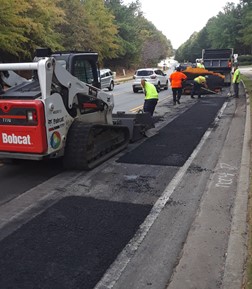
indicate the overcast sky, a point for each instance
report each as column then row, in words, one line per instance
column 178, row 19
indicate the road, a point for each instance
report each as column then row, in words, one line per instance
column 20, row 176
column 130, row 102
column 157, row 215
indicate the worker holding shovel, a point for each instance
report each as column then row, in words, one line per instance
column 198, row 83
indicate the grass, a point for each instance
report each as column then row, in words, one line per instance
column 248, row 273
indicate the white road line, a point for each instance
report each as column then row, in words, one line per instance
column 116, row 269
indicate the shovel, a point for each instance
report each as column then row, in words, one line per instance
column 206, row 89
column 209, row 90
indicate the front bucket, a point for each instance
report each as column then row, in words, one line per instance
column 137, row 123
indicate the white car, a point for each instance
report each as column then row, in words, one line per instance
column 153, row 75
column 107, row 79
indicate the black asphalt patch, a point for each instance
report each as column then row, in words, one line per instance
column 70, row 245
column 175, row 142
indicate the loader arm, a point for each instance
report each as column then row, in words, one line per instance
column 10, row 78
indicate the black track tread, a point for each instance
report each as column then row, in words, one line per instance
column 76, row 153
column 75, row 150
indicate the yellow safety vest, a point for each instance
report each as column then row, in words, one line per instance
column 199, row 65
column 150, row 91
column 200, row 79
column 237, row 76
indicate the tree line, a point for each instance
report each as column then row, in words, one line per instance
column 231, row 28
column 120, row 33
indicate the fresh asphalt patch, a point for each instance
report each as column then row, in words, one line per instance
column 175, row 142
column 70, row 245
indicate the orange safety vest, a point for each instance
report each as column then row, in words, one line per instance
column 176, row 79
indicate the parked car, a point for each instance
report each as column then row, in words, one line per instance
column 107, row 79
column 153, row 75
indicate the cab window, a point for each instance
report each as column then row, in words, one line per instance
column 83, row 71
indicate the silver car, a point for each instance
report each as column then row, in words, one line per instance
column 107, row 79
column 153, row 75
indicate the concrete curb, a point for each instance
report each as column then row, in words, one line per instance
column 237, row 245
column 121, row 80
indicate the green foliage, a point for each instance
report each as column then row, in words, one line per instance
column 142, row 44
column 230, row 28
column 245, row 59
column 103, row 30
column 75, row 30
column 13, row 26
column 119, row 33
column 246, row 30
column 25, row 25
column 43, row 16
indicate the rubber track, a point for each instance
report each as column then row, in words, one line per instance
column 76, row 152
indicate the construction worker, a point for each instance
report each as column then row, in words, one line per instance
column 200, row 64
column 198, row 83
column 151, row 96
column 236, row 80
column 176, row 80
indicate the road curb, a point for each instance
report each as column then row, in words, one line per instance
column 237, row 245
column 121, row 80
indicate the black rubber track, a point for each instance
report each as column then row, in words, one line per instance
column 85, row 150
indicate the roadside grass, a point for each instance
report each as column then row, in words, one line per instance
column 248, row 273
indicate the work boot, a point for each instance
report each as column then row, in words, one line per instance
column 192, row 96
column 178, row 101
column 174, row 102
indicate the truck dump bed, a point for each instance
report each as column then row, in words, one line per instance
column 219, row 60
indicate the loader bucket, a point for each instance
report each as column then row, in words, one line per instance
column 137, row 123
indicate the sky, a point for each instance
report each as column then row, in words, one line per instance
column 178, row 19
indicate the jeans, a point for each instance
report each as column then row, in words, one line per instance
column 176, row 92
column 149, row 105
column 236, row 89
column 196, row 89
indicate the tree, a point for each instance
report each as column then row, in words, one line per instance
column 43, row 17
column 13, row 26
column 231, row 28
column 75, row 30
column 26, row 25
column 103, row 31
column 126, row 18
column 155, row 46
column 246, row 30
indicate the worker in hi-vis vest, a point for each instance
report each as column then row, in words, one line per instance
column 176, row 80
column 151, row 96
column 236, row 80
column 200, row 64
column 198, row 83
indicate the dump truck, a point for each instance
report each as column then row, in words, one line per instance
column 60, row 112
column 220, row 61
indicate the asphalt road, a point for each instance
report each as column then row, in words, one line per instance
column 137, row 224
